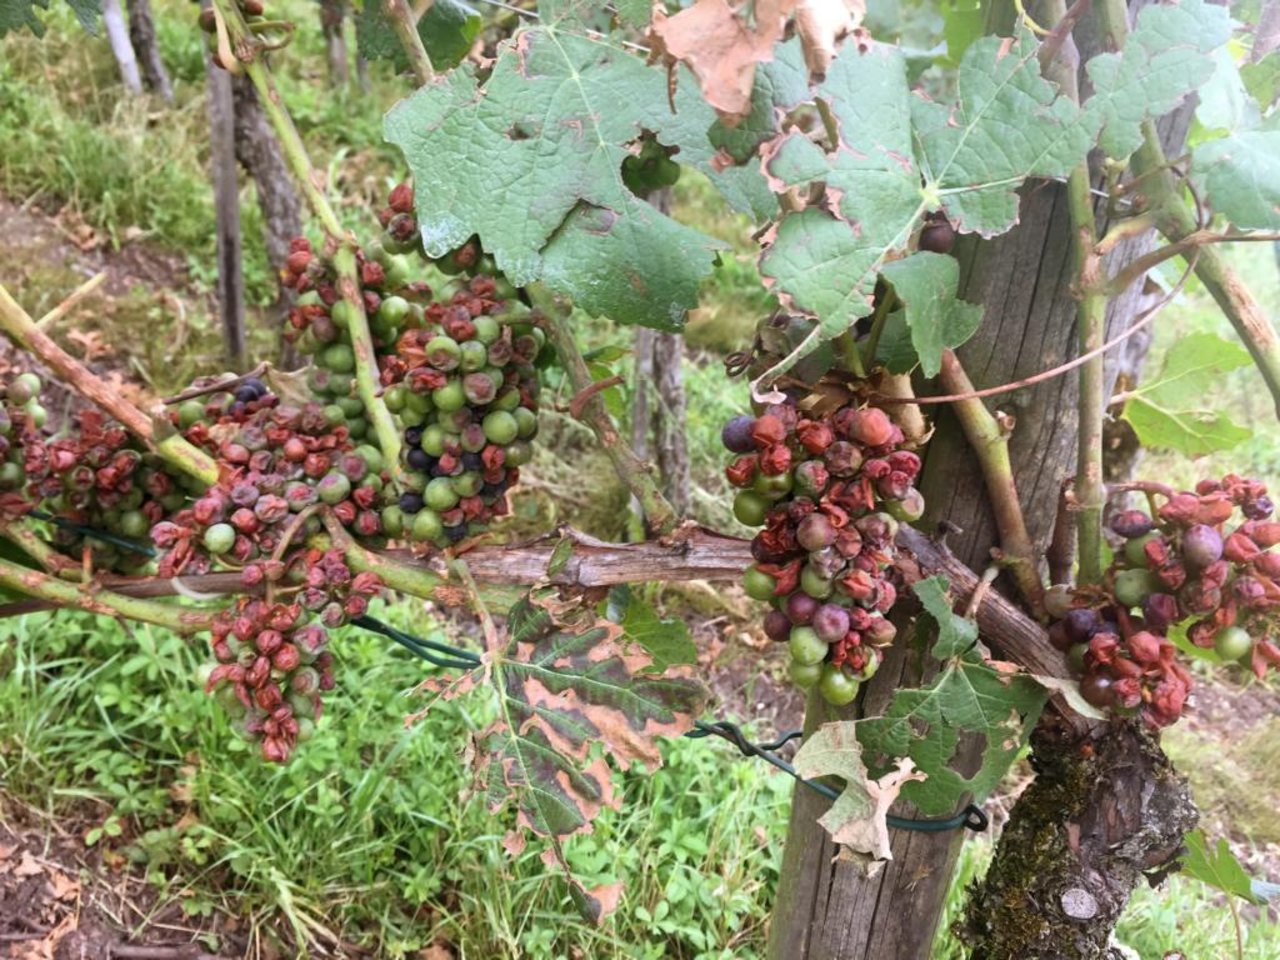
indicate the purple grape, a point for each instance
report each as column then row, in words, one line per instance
column 801, row 607
column 472, row 461
column 1201, row 546
column 1132, row 523
column 410, row 502
column 1259, row 509
column 831, row 622
column 413, row 436
column 736, row 435
column 456, row 533
column 1159, row 610
column 777, row 627
column 1080, row 624
column 815, row 532
column 419, row 460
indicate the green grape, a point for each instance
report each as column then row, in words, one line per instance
column 393, row 521
column 804, row 675
column 758, row 584
column 488, row 329
column 450, row 397
column 527, row 421
column 433, row 440
column 750, row 508
column 220, row 538
column 427, row 525
column 343, row 314
column 190, row 413
column 501, row 427
column 440, row 494
column 837, row 687
column 339, row 357
column 806, row 646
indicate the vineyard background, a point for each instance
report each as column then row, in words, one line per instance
column 116, row 771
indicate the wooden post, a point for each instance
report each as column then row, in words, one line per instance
column 142, row 33
column 226, row 193
column 121, row 48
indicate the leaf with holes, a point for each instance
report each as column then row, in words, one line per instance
column 956, row 635
column 898, row 156
column 1167, row 411
column 546, row 135
column 16, row 14
column 448, row 30
column 571, row 693
column 968, row 697
column 1164, row 59
column 857, row 817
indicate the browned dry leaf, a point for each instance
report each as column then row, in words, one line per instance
column 721, row 43
column 92, row 346
column 715, row 41
column 871, row 834
column 821, row 25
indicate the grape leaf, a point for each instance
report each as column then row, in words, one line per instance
column 448, row 30
column 963, row 23
column 1219, row 868
column 956, row 635
column 667, row 641
column 531, row 161
column 857, row 817
column 968, row 696
column 1225, row 102
column 570, row 693
column 1240, row 176
column 16, row 14
column 899, row 156
column 1165, row 412
column 926, row 283
column 1262, row 80
column 1164, row 59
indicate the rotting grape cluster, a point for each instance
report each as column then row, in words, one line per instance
column 1199, row 563
column 299, row 465
column 828, row 481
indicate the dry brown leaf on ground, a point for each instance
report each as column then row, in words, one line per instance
column 91, row 343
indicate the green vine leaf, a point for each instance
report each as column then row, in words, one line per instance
column 956, row 635
column 1164, row 59
column 1240, row 176
column 857, row 817
column 1159, row 413
column 666, row 640
column 1219, row 868
column 570, row 693
column 897, row 157
column 448, row 29
column 926, row 284
column 969, row 696
column 546, row 134
column 16, row 14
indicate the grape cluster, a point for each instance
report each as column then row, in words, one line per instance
column 272, row 665
column 1189, row 565
column 280, row 461
column 829, row 492
column 466, row 389
column 21, row 416
column 98, row 477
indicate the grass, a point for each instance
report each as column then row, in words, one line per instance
column 363, row 836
